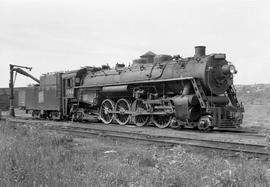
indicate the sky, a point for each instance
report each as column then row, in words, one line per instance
column 59, row 35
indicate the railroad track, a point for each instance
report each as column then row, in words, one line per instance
column 240, row 132
column 210, row 144
column 94, row 130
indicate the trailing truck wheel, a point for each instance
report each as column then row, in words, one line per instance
column 177, row 124
column 106, row 111
column 122, row 106
column 140, row 108
column 78, row 116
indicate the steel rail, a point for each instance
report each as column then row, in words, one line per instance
column 212, row 144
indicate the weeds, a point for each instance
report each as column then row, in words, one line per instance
column 34, row 157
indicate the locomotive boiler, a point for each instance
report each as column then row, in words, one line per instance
column 162, row 90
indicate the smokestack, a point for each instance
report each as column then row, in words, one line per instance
column 199, row 51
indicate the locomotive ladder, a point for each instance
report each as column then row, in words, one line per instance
column 200, row 93
column 232, row 96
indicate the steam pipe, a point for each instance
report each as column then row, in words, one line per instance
column 11, row 89
column 11, row 84
column 19, row 70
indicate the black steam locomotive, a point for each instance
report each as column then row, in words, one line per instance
column 162, row 90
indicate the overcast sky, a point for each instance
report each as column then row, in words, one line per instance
column 54, row 35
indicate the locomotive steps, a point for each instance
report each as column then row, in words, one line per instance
column 237, row 142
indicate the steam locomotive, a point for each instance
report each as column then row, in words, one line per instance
column 162, row 90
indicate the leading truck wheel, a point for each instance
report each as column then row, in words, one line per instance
column 122, row 107
column 205, row 123
column 106, row 111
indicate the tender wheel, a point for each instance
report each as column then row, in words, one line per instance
column 35, row 114
column 205, row 123
column 139, row 108
column 122, row 106
column 106, row 109
column 163, row 121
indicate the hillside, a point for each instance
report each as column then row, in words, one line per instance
column 248, row 94
column 254, row 94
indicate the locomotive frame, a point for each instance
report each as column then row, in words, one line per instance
column 162, row 90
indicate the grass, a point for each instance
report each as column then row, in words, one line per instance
column 34, row 157
column 257, row 116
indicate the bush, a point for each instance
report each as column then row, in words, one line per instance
column 35, row 157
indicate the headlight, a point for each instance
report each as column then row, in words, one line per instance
column 232, row 69
column 229, row 69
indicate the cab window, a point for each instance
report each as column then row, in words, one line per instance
column 69, row 83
